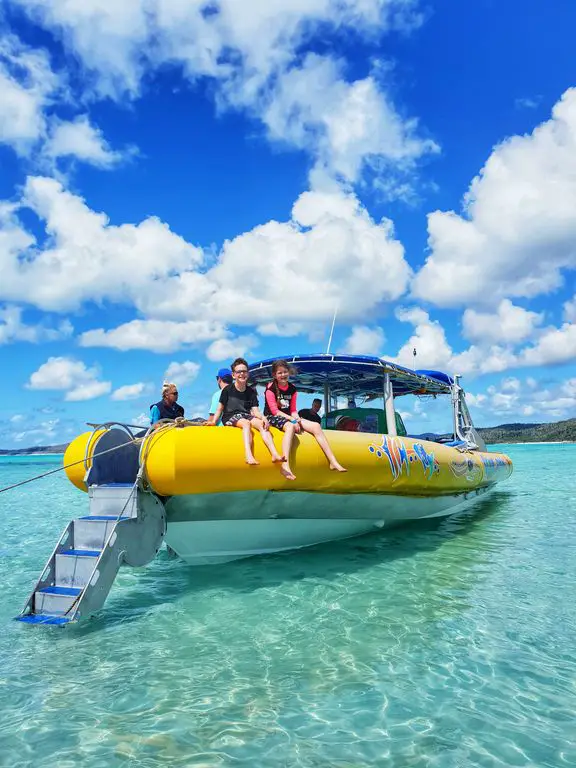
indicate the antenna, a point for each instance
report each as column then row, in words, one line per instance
column 332, row 329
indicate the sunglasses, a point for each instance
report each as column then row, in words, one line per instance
column 241, row 371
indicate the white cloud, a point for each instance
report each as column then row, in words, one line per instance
column 434, row 352
column 64, row 373
column 509, row 323
column 569, row 311
column 13, row 329
column 511, row 384
column 364, row 341
column 88, row 391
column 43, row 432
column 332, row 253
column 155, row 335
column 82, row 251
column 281, row 329
column 27, row 85
column 142, row 420
column 30, row 91
column 80, row 139
column 258, row 56
column 342, row 124
column 130, row 391
column 554, row 346
column 529, row 102
column 513, row 399
column 182, row 373
column 429, row 341
column 230, row 348
column 518, row 230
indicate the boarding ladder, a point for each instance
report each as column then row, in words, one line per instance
column 125, row 526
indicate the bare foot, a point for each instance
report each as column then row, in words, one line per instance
column 276, row 458
column 287, row 472
column 252, row 461
column 338, row 468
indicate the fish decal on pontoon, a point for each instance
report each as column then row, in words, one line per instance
column 468, row 469
column 400, row 456
column 493, row 463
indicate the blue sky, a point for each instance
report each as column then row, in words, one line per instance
column 184, row 181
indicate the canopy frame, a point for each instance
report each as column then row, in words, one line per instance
column 353, row 375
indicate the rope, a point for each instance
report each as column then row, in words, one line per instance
column 66, row 466
column 180, row 422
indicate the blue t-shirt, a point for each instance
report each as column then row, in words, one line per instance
column 214, row 405
column 154, row 415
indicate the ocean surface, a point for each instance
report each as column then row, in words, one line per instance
column 449, row 643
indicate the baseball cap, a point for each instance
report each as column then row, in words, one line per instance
column 223, row 372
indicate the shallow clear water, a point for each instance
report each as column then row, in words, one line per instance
column 448, row 643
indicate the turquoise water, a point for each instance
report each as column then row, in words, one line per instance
column 448, row 643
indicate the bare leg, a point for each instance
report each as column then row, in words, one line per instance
column 244, row 425
column 316, row 430
column 286, row 446
column 267, row 439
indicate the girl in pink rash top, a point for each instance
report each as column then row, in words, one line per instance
column 281, row 411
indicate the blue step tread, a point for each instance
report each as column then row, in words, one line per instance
column 104, row 517
column 67, row 591
column 81, row 552
column 37, row 618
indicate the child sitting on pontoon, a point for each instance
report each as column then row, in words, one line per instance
column 282, row 413
column 238, row 407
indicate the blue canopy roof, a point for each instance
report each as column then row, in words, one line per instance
column 353, row 375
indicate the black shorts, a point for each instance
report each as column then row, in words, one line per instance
column 235, row 418
column 278, row 422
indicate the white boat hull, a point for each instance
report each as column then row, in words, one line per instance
column 255, row 524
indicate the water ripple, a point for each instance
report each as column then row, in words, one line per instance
column 445, row 644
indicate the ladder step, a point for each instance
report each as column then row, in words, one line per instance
column 81, row 552
column 104, row 517
column 68, row 591
column 36, row 618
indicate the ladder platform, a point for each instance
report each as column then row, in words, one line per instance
column 81, row 552
column 67, row 591
column 38, row 618
column 85, row 561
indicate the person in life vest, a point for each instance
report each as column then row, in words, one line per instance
column 282, row 413
column 167, row 408
column 238, row 407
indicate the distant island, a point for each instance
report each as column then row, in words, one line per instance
column 36, row 449
column 555, row 432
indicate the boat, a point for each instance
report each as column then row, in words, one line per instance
column 188, row 486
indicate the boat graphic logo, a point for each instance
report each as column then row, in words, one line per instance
column 467, row 469
column 400, row 456
column 493, row 464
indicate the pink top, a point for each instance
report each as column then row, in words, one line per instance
column 273, row 405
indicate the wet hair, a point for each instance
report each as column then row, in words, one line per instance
column 238, row 361
column 276, row 365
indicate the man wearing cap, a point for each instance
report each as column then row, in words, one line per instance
column 223, row 377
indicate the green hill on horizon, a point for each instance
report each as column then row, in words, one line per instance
column 557, row 431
